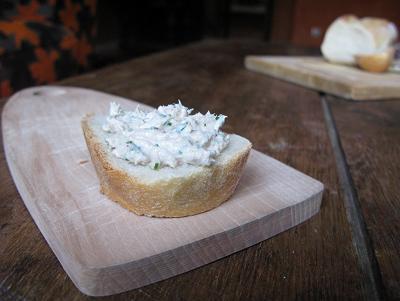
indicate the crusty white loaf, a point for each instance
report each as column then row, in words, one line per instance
column 167, row 192
column 349, row 36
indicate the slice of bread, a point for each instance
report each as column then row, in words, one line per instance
column 167, row 192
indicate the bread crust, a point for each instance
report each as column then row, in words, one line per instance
column 378, row 62
column 176, row 197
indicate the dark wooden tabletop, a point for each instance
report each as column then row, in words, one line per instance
column 350, row 250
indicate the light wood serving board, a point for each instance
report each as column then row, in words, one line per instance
column 106, row 249
column 316, row 73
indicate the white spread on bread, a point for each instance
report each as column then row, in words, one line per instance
column 167, row 136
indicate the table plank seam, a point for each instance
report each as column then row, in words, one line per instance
column 372, row 286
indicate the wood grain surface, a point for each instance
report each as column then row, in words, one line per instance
column 316, row 73
column 106, row 249
column 370, row 134
column 315, row 260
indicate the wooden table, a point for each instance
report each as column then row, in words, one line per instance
column 350, row 250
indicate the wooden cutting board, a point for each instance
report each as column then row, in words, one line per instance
column 316, row 73
column 106, row 249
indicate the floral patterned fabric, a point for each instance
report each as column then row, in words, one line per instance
column 43, row 40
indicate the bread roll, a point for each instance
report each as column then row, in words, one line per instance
column 349, row 36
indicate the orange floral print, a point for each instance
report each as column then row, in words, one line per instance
column 43, row 69
column 68, row 15
column 29, row 12
column 84, row 50
column 20, row 31
column 5, row 88
column 80, row 49
column 69, row 42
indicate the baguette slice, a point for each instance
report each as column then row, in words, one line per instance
column 167, row 192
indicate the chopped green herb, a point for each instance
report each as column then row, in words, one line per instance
column 180, row 152
column 182, row 127
column 157, row 166
column 217, row 117
column 156, row 145
column 169, row 123
column 205, row 124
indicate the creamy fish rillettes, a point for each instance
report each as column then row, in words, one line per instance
column 167, row 136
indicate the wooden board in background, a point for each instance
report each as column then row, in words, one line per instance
column 316, row 73
column 106, row 249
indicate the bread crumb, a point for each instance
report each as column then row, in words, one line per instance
column 278, row 146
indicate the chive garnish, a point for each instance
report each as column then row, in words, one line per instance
column 157, row 166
